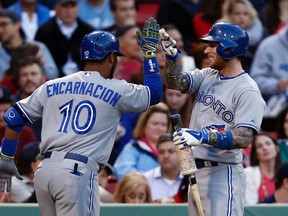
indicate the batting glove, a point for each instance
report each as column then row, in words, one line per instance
column 168, row 44
column 185, row 137
column 7, row 170
column 149, row 38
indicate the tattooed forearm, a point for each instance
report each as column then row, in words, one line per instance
column 174, row 78
column 241, row 137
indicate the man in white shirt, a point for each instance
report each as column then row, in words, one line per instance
column 165, row 179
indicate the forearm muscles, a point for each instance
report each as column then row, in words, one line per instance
column 241, row 137
column 174, row 78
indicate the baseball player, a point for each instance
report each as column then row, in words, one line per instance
column 80, row 115
column 227, row 112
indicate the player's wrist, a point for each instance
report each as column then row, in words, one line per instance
column 9, row 147
column 222, row 140
column 172, row 58
column 150, row 65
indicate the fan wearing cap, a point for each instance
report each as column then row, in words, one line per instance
column 28, row 161
column 13, row 37
column 281, row 184
column 6, row 101
column 227, row 112
column 62, row 34
column 104, row 176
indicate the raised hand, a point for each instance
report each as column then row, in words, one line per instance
column 148, row 39
column 168, row 44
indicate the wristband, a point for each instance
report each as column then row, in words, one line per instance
column 224, row 140
column 150, row 65
column 172, row 58
column 9, row 147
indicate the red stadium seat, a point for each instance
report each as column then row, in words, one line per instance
column 145, row 10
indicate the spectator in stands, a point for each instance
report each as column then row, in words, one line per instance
column 130, row 66
column 103, row 178
column 6, row 101
column 211, row 11
column 26, row 50
column 187, row 62
column 133, row 188
column 179, row 103
column 242, row 13
column 27, row 164
column 180, row 13
column 259, row 4
column 164, row 180
column 281, row 184
column 96, row 13
column 264, row 160
column 182, row 194
column 140, row 154
column 63, row 35
column 12, row 37
column 29, row 77
column 282, row 134
column 124, row 12
column 270, row 71
column 274, row 15
column 32, row 15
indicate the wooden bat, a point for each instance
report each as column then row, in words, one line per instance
column 187, row 163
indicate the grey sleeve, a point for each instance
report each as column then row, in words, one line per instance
column 250, row 110
column 33, row 105
column 136, row 98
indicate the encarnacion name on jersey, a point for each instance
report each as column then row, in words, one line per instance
column 85, row 88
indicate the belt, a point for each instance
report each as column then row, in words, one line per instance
column 70, row 155
column 203, row 163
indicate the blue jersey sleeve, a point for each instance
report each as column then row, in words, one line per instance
column 154, row 82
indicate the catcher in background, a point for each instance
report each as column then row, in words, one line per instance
column 227, row 112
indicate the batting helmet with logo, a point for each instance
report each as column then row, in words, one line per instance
column 98, row 44
column 233, row 40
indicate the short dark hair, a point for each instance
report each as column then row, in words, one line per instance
column 281, row 174
column 164, row 138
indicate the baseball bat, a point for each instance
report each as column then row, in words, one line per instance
column 187, row 163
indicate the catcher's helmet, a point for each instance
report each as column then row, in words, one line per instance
column 233, row 40
column 98, row 44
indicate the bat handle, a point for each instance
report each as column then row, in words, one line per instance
column 196, row 195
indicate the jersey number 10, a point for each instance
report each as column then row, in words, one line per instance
column 73, row 116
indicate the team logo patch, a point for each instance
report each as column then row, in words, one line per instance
column 11, row 115
column 86, row 54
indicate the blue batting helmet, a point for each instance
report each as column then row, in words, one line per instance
column 98, row 44
column 233, row 40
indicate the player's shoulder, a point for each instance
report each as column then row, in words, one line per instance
column 246, row 82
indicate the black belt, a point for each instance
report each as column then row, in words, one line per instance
column 69, row 155
column 202, row 163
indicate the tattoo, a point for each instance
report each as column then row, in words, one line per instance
column 175, row 79
column 241, row 137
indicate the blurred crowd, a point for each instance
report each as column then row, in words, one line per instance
column 41, row 40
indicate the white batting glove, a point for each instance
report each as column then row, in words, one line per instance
column 185, row 137
column 168, row 44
